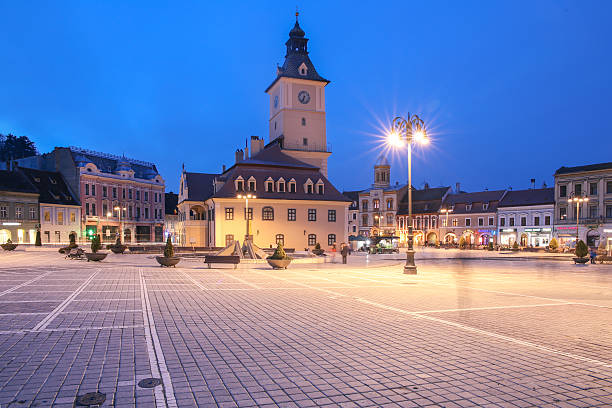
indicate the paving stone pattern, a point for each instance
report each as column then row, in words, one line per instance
column 475, row 333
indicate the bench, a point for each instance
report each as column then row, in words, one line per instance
column 603, row 258
column 222, row 259
column 75, row 253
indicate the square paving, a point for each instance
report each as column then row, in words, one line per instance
column 461, row 333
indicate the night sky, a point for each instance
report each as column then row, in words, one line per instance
column 510, row 90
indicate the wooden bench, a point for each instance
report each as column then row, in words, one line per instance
column 227, row 259
column 603, row 258
column 75, row 253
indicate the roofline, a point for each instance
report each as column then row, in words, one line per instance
column 302, row 79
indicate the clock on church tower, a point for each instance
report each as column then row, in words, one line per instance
column 297, row 104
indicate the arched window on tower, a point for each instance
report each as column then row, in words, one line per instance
column 303, row 121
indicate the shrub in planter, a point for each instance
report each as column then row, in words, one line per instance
column 168, row 259
column 117, row 247
column 73, row 243
column 38, row 241
column 490, row 245
column 553, row 245
column 581, row 249
column 515, row 246
column 95, row 247
column 317, row 249
column 462, row 243
column 9, row 246
column 279, row 259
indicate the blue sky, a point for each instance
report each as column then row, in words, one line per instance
column 510, row 90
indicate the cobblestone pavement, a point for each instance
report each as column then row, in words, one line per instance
column 461, row 333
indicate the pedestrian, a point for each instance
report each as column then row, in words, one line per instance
column 593, row 255
column 345, row 251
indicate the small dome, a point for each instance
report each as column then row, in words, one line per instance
column 296, row 31
column 382, row 161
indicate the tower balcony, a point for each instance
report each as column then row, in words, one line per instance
column 310, row 147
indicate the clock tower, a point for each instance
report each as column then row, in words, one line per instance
column 297, row 104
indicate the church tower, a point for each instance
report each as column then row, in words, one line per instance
column 297, row 104
column 382, row 173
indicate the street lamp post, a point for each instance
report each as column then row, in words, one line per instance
column 378, row 217
column 578, row 199
column 406, row 131
column 446, row 211
column 246, row 198
column 119, row 209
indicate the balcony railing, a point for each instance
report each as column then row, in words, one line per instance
column 310, row 147
column 584, row 221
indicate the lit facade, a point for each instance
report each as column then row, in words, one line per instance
column 526, row 217
column 19, row 210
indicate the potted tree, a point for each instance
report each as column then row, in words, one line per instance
column 279, row 259
column 168, row 259
column 71, row 245
column 581, row 252
column 553, row 245
column 317, row 250
column 9, row 246
column 38, row 241
column 515, row 246
column 94, row 255
column 462, row 243
column 117, row 247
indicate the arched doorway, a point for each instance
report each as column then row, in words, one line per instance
column 450, row 238
column 127, row 236
column 524, row 240
column 432, row 238
column 197, row 213
column 469, row 237
column 418, row 238
column 484, row 239
column 5, row 235
column 592, row 238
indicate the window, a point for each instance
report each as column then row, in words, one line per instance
column 114, row 192
column 86, row 208
column 239, row 185
column 312, row 240
column 60, row 218
column 269, row 186
column 480, row 222
column 562, row 191
column 331, row 215
column 229, row 239
column 93, row 189
column 491, row 221
column 130, row 212
column 104, row 209
column 291, row 214
column 252, row 185
column 47, row 216
column 433, row 222
column 511, row 221
column 389, row 204
column 593, row 188
column 146, row 196
column 455, row 222
column 502, row 222
column 389, row 219
column 536, row 220
column 562, row 213
column 364, row 206
column 578, row 189
column 468, row 207
column 312, row 214
column 249, row 214
column 303, row 121
column 354, row 228
column 364, row 220
column 146, row 213
column 93, row 209
column 267, row 214
column 609, row 187
column 138, row 195
column 280, row 239
column 331, row 239
column 376, row 203
column 608, row 211
column 123, row 193
column 130, row 194
column 523, row 221
column 229, row 213
column 305, row 141
column 18, row 212
column 320, row 188
column 86, row 189
column 309, row 188
column 137, row 212
column 468, row 222
column 104, row 191
column 3, row 212
column 354, row 216
column 32, row 213
column 485, row 206
column 592, row 212
column 281, row 186
column 72, row 217
column 444, row 222
column 292, row 187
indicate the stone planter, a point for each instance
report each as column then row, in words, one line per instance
column 278, row 263
column 9, row 247
column 318, row 252
column 168, row 261
column 118, row 249
column 95, row 256
column 581, row 260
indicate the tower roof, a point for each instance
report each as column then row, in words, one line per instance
column 297, row 54
column 382, row 161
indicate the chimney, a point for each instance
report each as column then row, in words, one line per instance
column 257, row 145
column 426, row 186
column 239, row 155
column 544, row 184
column 533, row 184
column 224, row 168
column 457, row 188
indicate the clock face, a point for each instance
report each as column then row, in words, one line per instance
column 276, row 101
column 304, row 97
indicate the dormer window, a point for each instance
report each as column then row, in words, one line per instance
column 252, row 184
column 485, row 206
column 280, row 187
column 292, row 186
column 239, row 184
column 308, row 186
column 320, row 187
column 468, row 207
column 269, row 185
column 303, row 69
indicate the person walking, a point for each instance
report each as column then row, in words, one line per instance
column 344, row 252
column 593, row 255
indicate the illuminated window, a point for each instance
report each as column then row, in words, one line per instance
column 312, row 240
column 280, row 239
column 331, row 239
column 267, row 214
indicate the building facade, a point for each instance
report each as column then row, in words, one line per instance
column 19, row 210
column 117, row 194
column 526, row 217
column 472, row 216
column 378, row 204
column 591, row 220
column 353, row 213
column 426, row 204
column 60, row 211
column 194, row 213
column 171, row 218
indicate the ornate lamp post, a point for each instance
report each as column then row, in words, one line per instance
column 119, row 209
column 406, row 131
column 578, row 199
column 246, row 198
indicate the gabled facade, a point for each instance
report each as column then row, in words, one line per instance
column 426, row 204
column 526, row 217
column 194, row 212
column 353, row 212
column 19, row 210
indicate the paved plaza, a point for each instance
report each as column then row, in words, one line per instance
column 461, row 333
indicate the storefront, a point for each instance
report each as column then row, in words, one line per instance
column 485, row 236
column 538, row 237
column 507, row 236
column 607, row 239
column 566, row 236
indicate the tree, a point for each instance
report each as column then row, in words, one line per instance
column 515, row 245
column 95, row 243
column 553, row 244
column 581, row 249
column 279, row 253
column 73, row 243
column 38, row 241
column 169, row 249
column 16, row 147
column 462, row 242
